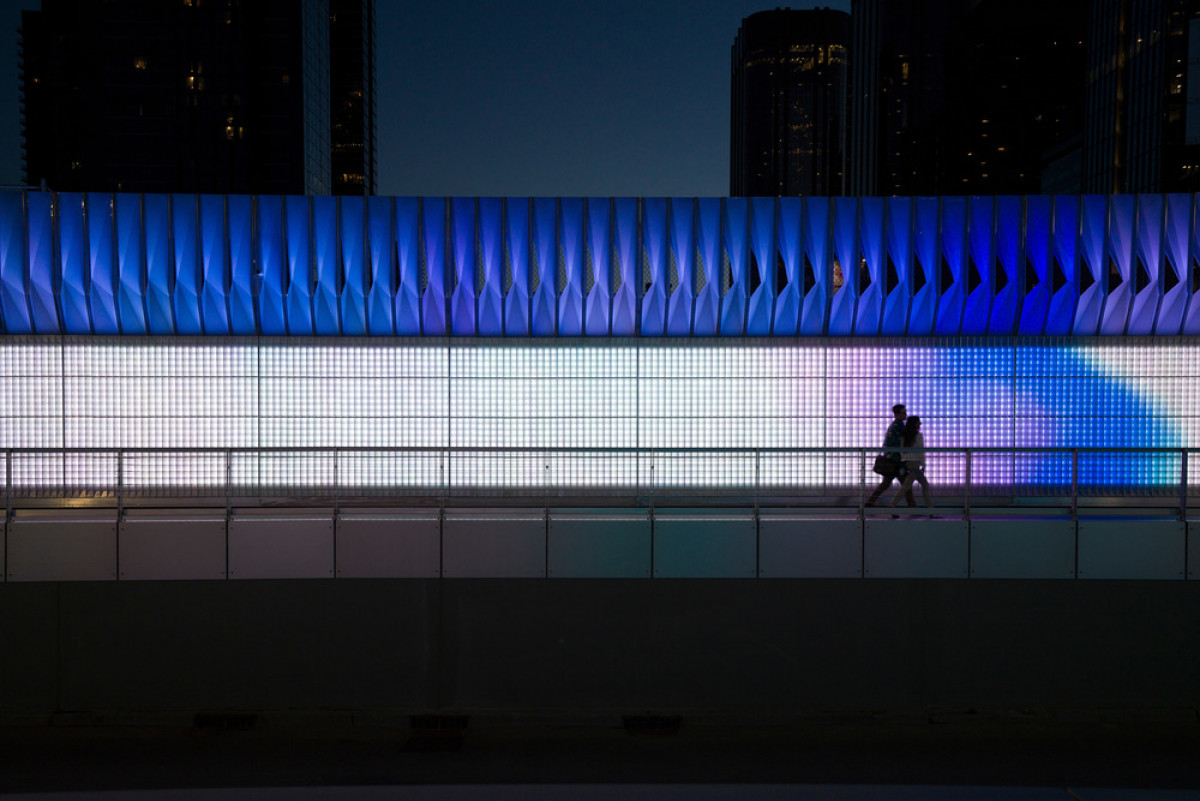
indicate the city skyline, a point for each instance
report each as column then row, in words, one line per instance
column 562, row 114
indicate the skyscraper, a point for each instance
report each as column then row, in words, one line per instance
column 181, row 96
column 352, row 95
column 788, row 127
column 1142, row 130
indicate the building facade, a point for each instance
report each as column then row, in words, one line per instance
column 187, row 96
column 788, row 128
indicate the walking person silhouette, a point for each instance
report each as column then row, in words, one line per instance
column 893, row 440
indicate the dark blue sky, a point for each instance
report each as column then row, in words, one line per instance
column 532, row 97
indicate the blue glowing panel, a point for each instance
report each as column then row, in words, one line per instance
column 491, row 246
column 733, row 303
column 977, row 308
column 160, row 317
column 517, row 296
column 1006, row 267
column 408, row 267
column 433, row 295
column 131, row 308
column 14, row 294
column 817, row 266
column 462, row 299
column 102, row 275
column 272, row 265
column 923, row 309
column 1038, row 211
column 683, row 249
column 241, row 264
column 322, row 237
column 185, row 237
column 626, row 293
column 762, row 267
column 598, row 304
column 707, row 318
column 383, row 295
column 214, row 265
column 1115, row 317
column 845, row 266
column 72, row 251
column 1191, row 317
column 788, row 302
column 1147, row 264
column 873, row 284
column 1176, row 237
column 43, row 269
column 352, row 224
column 301, row 269
column 950, row 272
column 545, row 276
column 570, row 296
column 654, row 246
column 898, row 266
column 1093, row 268
column 1064, row 268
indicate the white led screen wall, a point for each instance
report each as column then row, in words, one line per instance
column 414, row 415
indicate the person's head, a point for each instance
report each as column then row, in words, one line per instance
column 911, row 426
column 899, row 411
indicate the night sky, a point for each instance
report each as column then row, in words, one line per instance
column 530, row 97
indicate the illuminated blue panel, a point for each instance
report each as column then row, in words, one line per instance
column 271, row 264
column 817, row 265
column 683, row 248
column 1064, row 266
column 654, row 247
column 977, row 308
column 323, row 238
column 102, row 278
column 408, row 267
column 491, row 243
column 185, row 236
column 14, row 294
column 733, row 303
column 1176, row 237
column 43, row 270
column 1093, row 270
column 72, row 251
column 1191, row 317
column 383, row 296
column 215, row 267
column 517, row 298
column 791, row 294
column 546, row 260
column 871, row 242
column 1114, row 318
column 922, row 313
column 1147, row 265
column 598, row 304
column 462, row 299
column 1037, row 253
column 845, row 263
column 433, row 298
column 624, row 308
column 1006, row 267
column 160, row 317
column 352, row 225
column 950, row 274
column 762, row 268
column 301, row 275
column 570, row 296
column 241, row 264
column 707, row 318
column 898, row 267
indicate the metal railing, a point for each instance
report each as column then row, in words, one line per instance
column 839, row 477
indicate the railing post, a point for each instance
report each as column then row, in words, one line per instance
column 1074, row 484
column 967, row 489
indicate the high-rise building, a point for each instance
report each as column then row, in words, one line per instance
column 965, row 96
column 352, row 95
column 788, row 128
column 1142, row 131
column 184, row 95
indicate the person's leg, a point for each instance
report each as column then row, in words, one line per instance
column 905, row 489
column 883, row 485
column 925, row 487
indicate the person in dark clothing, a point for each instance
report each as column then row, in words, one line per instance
column 914, row 461
column 892, row 442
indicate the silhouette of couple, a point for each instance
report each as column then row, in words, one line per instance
column 907, row 465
